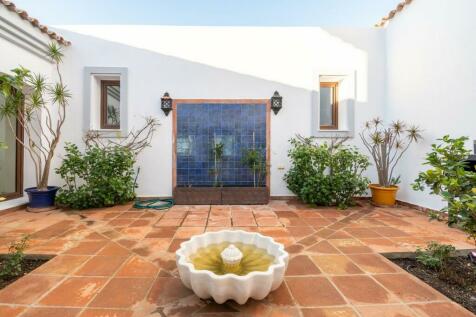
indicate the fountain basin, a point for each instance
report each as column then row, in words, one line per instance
column 256, row 284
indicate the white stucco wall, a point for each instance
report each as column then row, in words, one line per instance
column 431, row 79
column 224, row 63
column 27, row 55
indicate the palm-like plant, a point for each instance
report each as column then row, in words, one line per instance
column 40, row 108
column 387, row 144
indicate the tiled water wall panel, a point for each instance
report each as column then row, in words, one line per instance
column 200, row 126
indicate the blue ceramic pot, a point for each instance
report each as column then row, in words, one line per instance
column 41, row 198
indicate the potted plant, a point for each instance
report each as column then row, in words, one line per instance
column 40, row 109
column 387, row 144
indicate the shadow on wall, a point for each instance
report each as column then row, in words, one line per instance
column 252, row 74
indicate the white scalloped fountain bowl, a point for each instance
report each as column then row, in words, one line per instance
column 206, row 284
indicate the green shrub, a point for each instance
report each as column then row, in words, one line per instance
column 256, row 162
column 448, row 179
column 325, row 174
column 12, row 264
column 435, row 255
column 100, row 177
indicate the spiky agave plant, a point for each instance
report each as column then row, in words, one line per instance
column 40, row 108
column 387, row 144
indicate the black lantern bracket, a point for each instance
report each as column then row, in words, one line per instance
column 166, row 103
column 276, row 102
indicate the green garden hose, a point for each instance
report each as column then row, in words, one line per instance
column 157, row 204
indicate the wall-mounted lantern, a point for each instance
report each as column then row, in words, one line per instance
column 276, row 102
column 166, row 104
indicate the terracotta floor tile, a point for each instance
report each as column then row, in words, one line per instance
column 106, row 313
column 284, row 312
column 175, row 245
column 350, row 246
column 28, row 289
column 301, row 265
column 325, row 233
column 51, row 312
column 329, row 312
column 293, row 222
column 114, row 249
column 408, row 289
column 335, row 264
column 120, row 222
column 122, row 293
column 389, row 232
column 309, row 240
column 169, row 222
column 363, row 290
column 163, row 232
column 74, row 292
column 280, row 297
column 381, row 245
column 136, row 233
column 268, row 222
column 314, row 291
column 386, row 311
column 150, row 247
column 127, row 243
column 11, row 311
column 62, row 264
column 220, row 222
column 131, row 214
column 174, row 214
column 201, row 222
column 372, row 263
column 441, row 310
column 87, row 248
column 339, row 235
column 101, row 266
column 300, row 232
column 138, row 267
column 188, row 232
column 53, row 230
column 243, row 222
column 362, row 233
column 274, row 232
column 323, row 247
column 167, row 290
column 140, row 223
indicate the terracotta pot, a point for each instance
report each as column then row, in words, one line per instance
column 384, row 196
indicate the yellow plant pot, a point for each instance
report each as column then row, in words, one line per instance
column 384, row 196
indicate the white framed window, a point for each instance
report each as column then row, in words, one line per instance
column 105, row 100
column 333, row 105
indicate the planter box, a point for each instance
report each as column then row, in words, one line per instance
column 221, row 195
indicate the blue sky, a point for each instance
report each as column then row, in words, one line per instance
column 357, row 13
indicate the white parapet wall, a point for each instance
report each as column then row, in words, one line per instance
column 226, row 63
column 431, row 80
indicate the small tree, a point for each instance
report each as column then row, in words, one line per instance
column 449, row 179
column 30, row 99
column 255, row 161
column 387, row 146
column 217, row 152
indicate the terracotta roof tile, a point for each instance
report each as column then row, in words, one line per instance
column 34, row 22
column 384, row 21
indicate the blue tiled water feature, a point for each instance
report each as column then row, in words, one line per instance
column 200, row 126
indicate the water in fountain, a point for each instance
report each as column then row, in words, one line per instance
column 211, row 258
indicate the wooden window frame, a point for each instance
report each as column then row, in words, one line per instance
column 104, row 124
column 335, row 106
column 19, row 138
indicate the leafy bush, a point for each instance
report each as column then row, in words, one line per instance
column 99, row 177
column 448, row 178
column 326, row 174
column 12, row 265
column 435, row 255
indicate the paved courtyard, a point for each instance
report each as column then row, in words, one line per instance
column 120, row 262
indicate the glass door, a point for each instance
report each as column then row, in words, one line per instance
column 11, row 159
